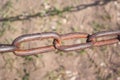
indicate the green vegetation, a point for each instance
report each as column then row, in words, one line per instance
column 82, row 51
column 97, row 26
column 4, row 12
column 28, row 58
column 56, row 74
column 26, row 75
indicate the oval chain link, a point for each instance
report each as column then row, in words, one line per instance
column 68, row 36
column 32, row 37
column 91, row 41
column 93, row 38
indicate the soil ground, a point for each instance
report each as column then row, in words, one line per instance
column 18, row 17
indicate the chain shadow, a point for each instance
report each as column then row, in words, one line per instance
column 55, row 11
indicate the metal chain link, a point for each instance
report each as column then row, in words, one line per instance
column 92, row 40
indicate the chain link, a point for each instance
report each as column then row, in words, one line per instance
column 61, row 47
column 92, row 40
column 7, row 48
column 32, row 37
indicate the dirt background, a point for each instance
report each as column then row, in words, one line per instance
column 18, row 17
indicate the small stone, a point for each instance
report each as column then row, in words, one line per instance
column 46, row 5
column 118, row 14
column 68, row 72
column 53, row 27
column 102, row 64
column 64, row 21
column 118, row 78
column 73, row 78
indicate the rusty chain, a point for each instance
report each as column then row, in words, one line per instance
column 96, row 39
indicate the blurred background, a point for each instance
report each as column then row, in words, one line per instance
column 18, row 17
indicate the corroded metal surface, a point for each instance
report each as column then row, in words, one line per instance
column 90, row 41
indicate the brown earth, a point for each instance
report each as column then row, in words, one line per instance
column 18, row 17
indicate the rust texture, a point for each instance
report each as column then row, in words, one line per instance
column 90, row 41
